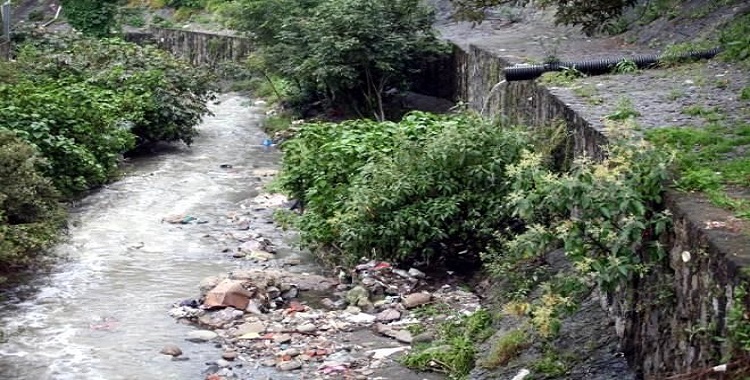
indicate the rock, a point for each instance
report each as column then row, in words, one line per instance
column 403, row 336
column 260, row 255
column 424, row 337
column 200, row 336
column 282, row 338
column 388, row 315
column 268, row 363
column 359, row 318
column 229, row 355
column 171, row 350
column 273, row 292
column 228, row 293
column 220, row 318
column 291, row 353
column 223, row 363
column 289, row 365
column 306, row 328
column 416, row 299
column 383, row 353
column 250, row 327
column 293, row 292
column 356, row 295
column 253, row 308
column 416, row 273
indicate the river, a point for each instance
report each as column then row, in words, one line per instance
column 102, row 312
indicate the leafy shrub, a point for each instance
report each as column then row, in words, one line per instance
column 441, row 198
column 428, row 187
column 92, row 17
column 30, row 214
column 84, row 102
column 605, row 214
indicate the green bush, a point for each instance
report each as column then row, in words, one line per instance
column 442, row 198
column 84, row 102
column 30, row 214
column 428, row 187
column 96, row 18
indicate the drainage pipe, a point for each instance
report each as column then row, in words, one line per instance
column 600, row 66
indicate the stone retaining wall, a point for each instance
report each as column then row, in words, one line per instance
column 666, row 322
column 197, row 47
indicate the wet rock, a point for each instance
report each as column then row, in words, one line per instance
column 273, row 292
column 268, row 363
column 416, row 299
column 229, row 355
column 171, row 350
column 260, row 255
column 200, row 336
column 403, row 336
column 289, row 365
column 290, row 353
column 223, row 363
column 389, row 315
column 293, row 292
column 228, row 293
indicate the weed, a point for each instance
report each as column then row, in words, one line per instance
column 453, row 352
column 277, row 123
column 625, row 66
column 745, row 93
column 710, row 114
column 676, row 93
column 553, row 364
column 286, row 219
column 624, row 110
column 563, row 78
column 505, row 349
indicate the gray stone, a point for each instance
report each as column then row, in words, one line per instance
column 223, row 363
column 200, row 336
column 229, row 355
column 171, row 349
column 289, row 365
column 389, row 315
column 424, row 337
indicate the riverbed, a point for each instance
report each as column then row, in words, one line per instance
column 101, row 314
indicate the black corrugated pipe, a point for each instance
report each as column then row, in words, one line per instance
column 600, row 66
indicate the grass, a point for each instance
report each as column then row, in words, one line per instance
column 623, row 110
column 553, row 364
column 563, row 78
column 453, row 352
column 712, row 160
column 505, row 349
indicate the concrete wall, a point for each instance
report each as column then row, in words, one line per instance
column 197, row 47
column 667, row 321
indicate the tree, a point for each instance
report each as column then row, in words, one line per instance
column 346, row 51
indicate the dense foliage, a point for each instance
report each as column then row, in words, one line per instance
column 590, row 15
column 70, row 107
column 452, row 188
column 84, row 102
column 30, row 214
column 346, row 52
column 95, row 18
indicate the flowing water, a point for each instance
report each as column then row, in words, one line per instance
column 101, row 314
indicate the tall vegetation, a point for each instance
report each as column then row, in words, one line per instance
column 96, row 18
column 70, row 107
column 344, row 52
